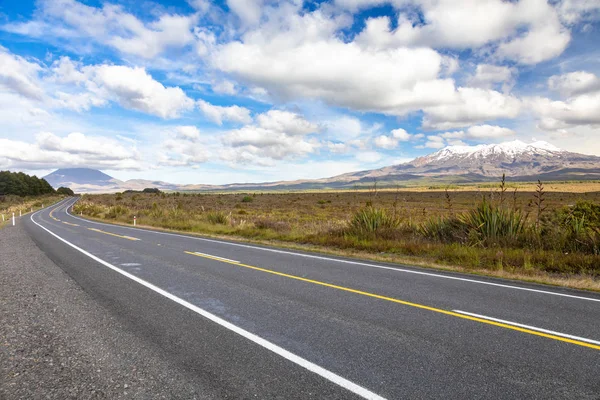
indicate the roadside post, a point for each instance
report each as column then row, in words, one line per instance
column 134, row 220
column 13, row 219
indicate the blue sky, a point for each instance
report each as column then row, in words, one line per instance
column 256, row 90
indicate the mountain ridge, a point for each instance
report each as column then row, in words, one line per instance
column 518, row 160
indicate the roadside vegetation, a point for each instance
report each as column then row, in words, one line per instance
column 502, row 230
column 22, row 193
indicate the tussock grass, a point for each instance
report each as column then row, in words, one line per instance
column 492, row 231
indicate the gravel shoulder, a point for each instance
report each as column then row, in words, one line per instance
column 56, row 342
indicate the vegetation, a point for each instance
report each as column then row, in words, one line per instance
column 13, row 204
column 65, row 191
column 20, row 184
column 524, row 232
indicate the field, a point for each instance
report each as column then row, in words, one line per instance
column 490, row 229
column 10, row 204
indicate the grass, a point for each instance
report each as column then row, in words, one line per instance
column 453, row 229
column 10, row 204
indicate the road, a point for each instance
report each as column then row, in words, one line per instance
column 258, row 322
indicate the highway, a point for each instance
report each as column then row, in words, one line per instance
column 258, row 322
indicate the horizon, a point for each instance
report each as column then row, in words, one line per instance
column 160, row 90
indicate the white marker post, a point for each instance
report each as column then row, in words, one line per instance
column 134, row 220
column 13, row 219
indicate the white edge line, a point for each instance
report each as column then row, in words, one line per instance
column 217, row 257
column 332, row 377
column 529, row 327
column 344, row 261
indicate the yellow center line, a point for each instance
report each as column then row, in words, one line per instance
column 68, row 223
column 406, row 303
column 113, row 234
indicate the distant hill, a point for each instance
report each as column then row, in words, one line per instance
column 453, row 164
column 69, row 177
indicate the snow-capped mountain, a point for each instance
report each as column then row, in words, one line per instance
column 518, row 160
column 514, row 158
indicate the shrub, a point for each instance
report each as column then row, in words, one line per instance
column 277, row 226
column 491, row 224
column 370, row 220
column 116, row 211
column 216, row 217
column 247, row 199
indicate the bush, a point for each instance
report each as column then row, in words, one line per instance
column 491, row 224
column 216, row 217
column 247, row 199
column 277, row 226
column 65, row 191
column 370, row 220
column 116, row 211
column 486, row 224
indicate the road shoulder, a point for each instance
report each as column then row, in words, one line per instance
column 57, row 342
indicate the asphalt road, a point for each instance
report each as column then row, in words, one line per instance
column 258, row 322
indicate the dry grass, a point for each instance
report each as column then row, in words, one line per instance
column 26, row 205
column 321, row 221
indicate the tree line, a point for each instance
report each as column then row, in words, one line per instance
column 21, row 184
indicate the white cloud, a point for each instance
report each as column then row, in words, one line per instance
column 486, row 76
column 391, row 141
column 394, row 81
column 218, row 114
column 471, row 105
column 528, row 31
column 184, row 146
column 134, row 88
column 574, row 83
column 579, row 110
column 110, row 26
column 278, row 135
column 368, row 156
column 544, row 42
column 249, row 11
column 287, row 122
column 19, row 75
column 488, row 132
column 131, row 87
column 52, row 151
column 574, row 11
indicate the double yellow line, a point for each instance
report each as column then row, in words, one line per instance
column 403, row 302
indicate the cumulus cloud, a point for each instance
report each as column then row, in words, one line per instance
column 391, row 141
column 487, row 76
column 184, row 146
column 131, row 87
column 406, row 79
column 19, row 75
column 472, row 105
column 277, row 135
column 526, row 31
column 109, row 25
column 75, row 149
column 218, row 114
column 574, row 83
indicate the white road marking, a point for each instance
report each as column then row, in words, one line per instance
column 130, row 265
column 505, row 286
column 330, row 376
column 533, row 328
column 217, row 257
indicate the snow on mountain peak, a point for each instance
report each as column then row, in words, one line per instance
column 512, row 149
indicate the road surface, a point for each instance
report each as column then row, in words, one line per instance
column 258, row 322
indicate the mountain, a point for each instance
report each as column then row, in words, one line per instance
column 69, row 177
column 453, row 164
column 516, row 159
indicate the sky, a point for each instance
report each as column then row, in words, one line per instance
column 227, row 91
